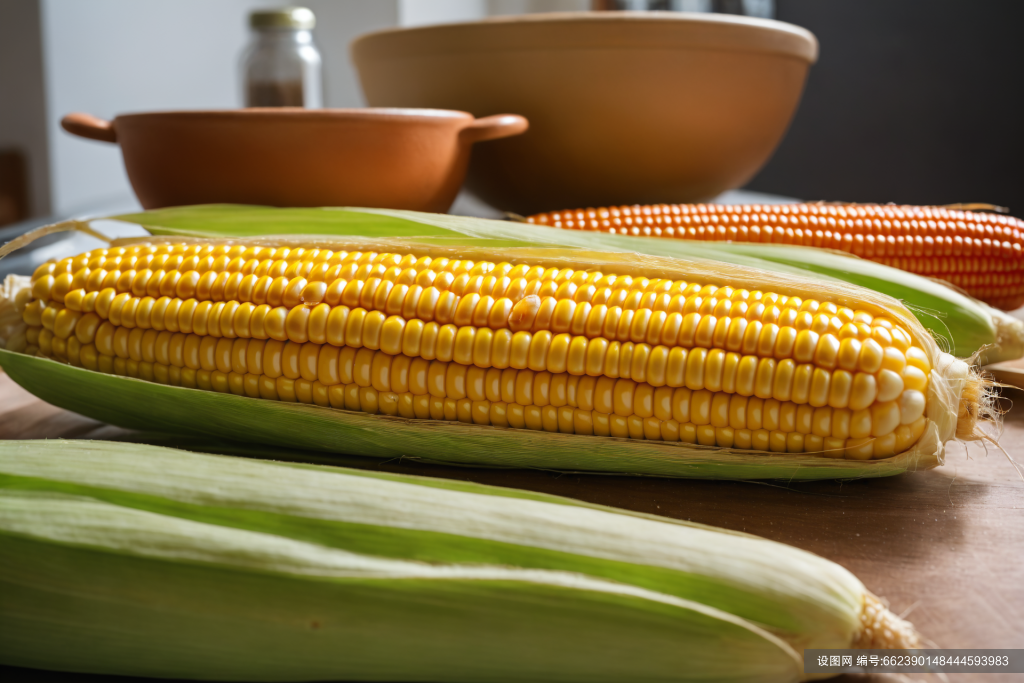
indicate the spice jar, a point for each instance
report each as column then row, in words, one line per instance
column 281, row 67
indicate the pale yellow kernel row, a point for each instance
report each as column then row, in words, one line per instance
column 699, row 368
column 366, row 289
column 398, row 373
column 565, row 418
column 332, row 325
column 604, row 315
column 355, row 287
column 867, row 370
column 562, row 283
column 652, row 327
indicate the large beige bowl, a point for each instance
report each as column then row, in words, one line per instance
column 624, row 107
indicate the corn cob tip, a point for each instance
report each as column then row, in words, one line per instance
column 15, row 293
column 963, row 383
column 978, row 406
column 1009, row 344
column 880, row 629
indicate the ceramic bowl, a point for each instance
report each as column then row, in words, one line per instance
column 624, row 107
column 386, row 158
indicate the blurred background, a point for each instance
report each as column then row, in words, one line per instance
column 917, row 101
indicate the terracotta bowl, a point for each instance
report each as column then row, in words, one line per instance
column 387, row 158
column 624, row 107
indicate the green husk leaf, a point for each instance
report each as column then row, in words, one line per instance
column 960, row 324
column 136, row 404
column 226, row 568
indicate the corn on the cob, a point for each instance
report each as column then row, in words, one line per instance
column 145, row 561
column 522, row 346
column 979, row 252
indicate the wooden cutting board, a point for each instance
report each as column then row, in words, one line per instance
column 946, row 545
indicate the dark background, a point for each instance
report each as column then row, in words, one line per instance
column 911, row 101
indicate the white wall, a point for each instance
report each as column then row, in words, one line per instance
column 422, row 12
column 107, row 57
column 534, row 6
column 338, row 23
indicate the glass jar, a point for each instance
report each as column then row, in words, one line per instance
column 281, row 66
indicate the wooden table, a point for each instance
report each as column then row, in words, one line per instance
column 945, row 546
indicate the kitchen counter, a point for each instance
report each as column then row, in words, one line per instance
column 943, row 546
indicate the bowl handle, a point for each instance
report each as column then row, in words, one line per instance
column 494, row 127
column 89, row 126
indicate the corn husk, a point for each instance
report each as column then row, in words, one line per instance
column 952, row 411
column 138, row 560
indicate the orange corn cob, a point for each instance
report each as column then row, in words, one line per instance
column 979, row 252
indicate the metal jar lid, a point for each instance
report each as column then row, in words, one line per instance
column 287, row 17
